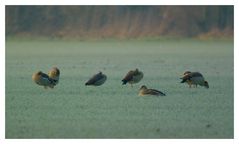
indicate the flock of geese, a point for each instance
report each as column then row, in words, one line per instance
column 133, row 76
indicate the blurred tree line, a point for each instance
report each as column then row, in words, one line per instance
column 119, row 21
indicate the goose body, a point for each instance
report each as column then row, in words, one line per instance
column 143, row 91
column 132, row 77
column 97, row 79
column 43, row 79
column 195, row 78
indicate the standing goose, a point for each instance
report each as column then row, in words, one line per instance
column 195, row 78
column 54, row 73
column 145, row 91
column 133, row 76
column 97, row 79
column 43, row 79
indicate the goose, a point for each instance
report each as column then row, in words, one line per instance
column 43, row 79
column 145, row 91
column 195, row 78
column 97, row 79
column 132, row 77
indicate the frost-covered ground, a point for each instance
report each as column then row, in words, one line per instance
column 113, row 110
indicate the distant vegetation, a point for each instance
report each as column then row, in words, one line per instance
column 120, row 21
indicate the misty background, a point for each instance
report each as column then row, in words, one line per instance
column 120, row 21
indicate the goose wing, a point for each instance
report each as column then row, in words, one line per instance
column 196, row 74
column 128, row 77
column 190, row 76
column 186, row 77
column 46, row 78
column 154, row 92
column 94, row 79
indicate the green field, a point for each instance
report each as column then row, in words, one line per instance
column 113, row 110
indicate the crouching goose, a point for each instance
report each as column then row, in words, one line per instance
column 145, row 91
column 97, row 79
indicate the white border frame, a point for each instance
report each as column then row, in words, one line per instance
column 116, row 2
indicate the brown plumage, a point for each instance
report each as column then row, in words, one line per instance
column 97, row 79
column 145, row 91
column 54, row 73
column 133, row 76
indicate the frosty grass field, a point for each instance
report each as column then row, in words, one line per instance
column 113, row 110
